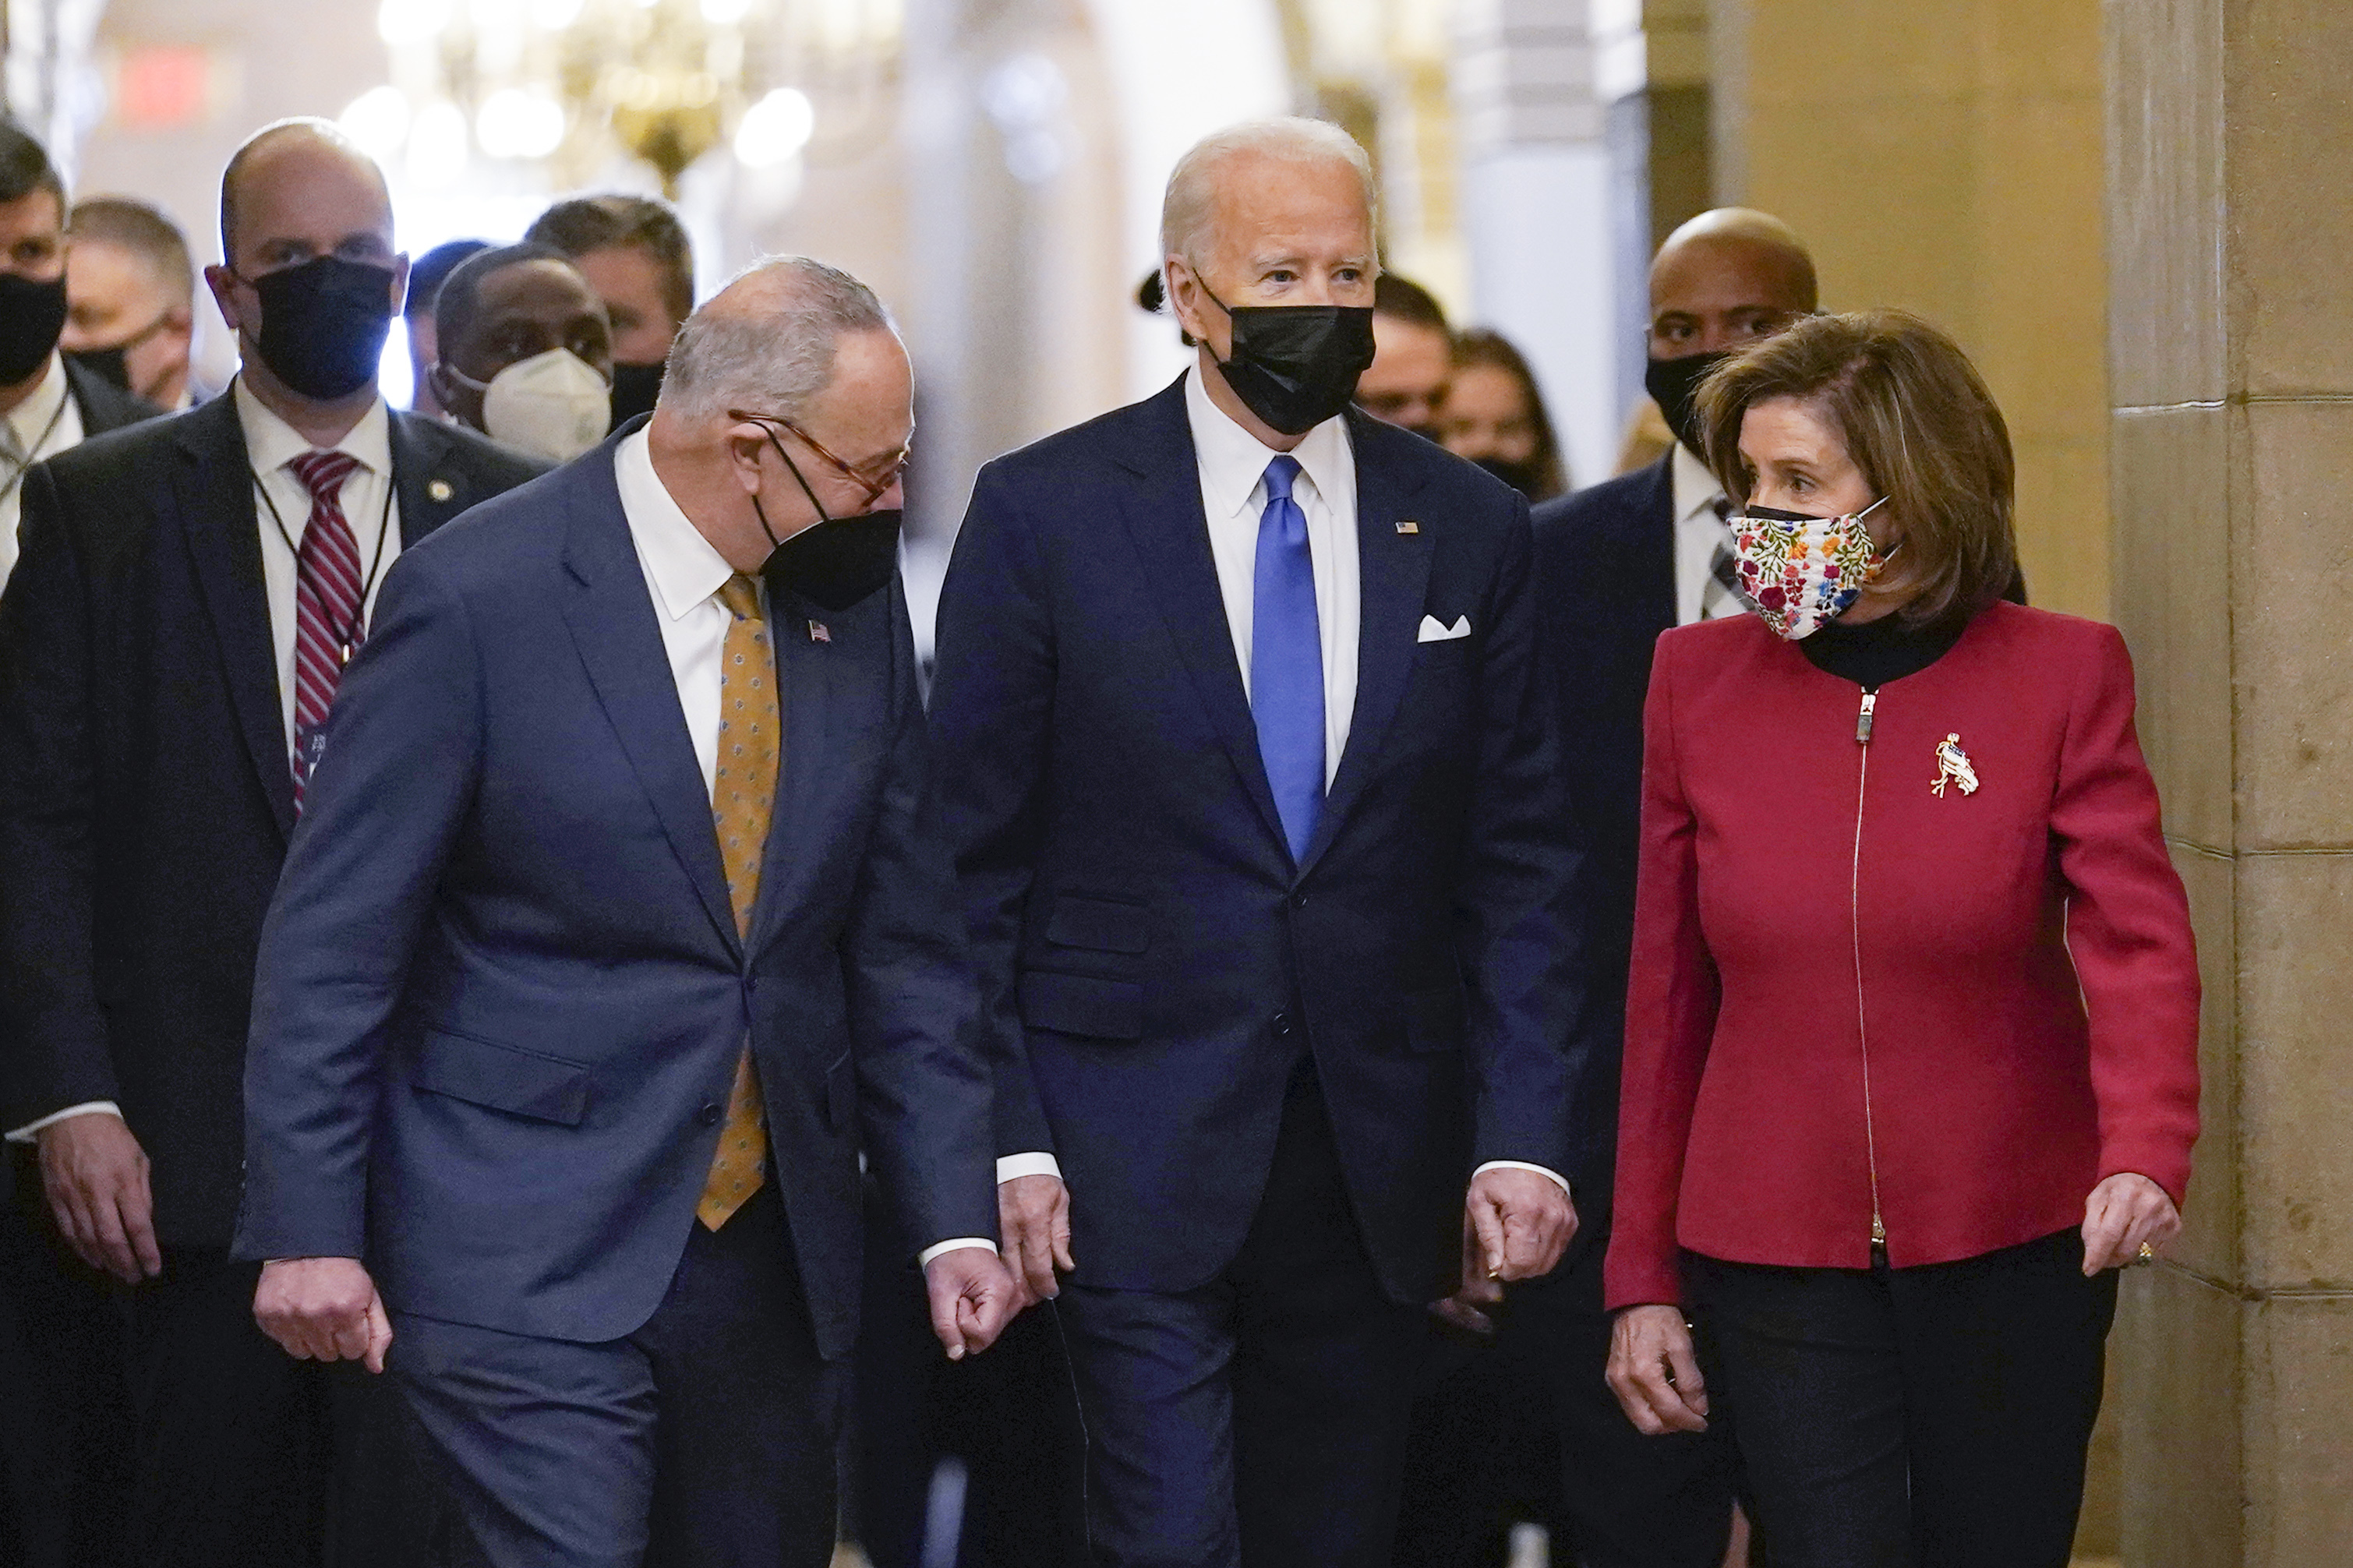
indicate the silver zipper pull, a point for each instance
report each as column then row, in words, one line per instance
column 1863, row 719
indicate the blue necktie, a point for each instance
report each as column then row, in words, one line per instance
column 1287, row 661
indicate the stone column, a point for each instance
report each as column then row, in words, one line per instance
column 2231, row 359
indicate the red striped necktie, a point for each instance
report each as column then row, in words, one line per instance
column 327, row 603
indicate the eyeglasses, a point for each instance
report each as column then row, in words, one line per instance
column 873, row 487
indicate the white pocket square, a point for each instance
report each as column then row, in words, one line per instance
column 1433, row 631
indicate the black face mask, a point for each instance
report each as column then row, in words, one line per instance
column 323, row 324
column 835, row 561
column 1295, row 366
column 635, row 387
column 1526, row 477
column 114, row 364
column 31, row 316
column 1672, row 385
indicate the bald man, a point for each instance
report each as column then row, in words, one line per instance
column 1616, row 566
column 567, row 1043
column 169, row 646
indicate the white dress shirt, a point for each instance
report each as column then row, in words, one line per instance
column 369, row 505
column 1698, row 530
column 41, row 426
column 684, row 573
column 1233, row 499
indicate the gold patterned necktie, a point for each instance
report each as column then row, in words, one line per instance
column 743, row 799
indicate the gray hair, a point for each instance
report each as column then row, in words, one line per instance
column 773, row 358
column 1189, row 211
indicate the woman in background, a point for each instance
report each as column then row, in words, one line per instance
column 1494, row 415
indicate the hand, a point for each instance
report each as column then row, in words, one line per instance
column 1467, row 1308
column 1654, row 1373
column 1522, row 1223
column 2123, row 1212
column 972, row 1299
column 322, row 1308
column 95, row 1177
column 1033, row 1213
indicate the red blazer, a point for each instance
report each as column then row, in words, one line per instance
column 1858, row 1003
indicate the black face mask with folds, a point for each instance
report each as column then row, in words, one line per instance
column 635, row 388
column 1673, row 385
column 835, row 561
column 1295, row 366
column 323, row 324
column 32, row 314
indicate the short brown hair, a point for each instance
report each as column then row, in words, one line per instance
column 141, row 228
column 1918, row 422
column 582, row 224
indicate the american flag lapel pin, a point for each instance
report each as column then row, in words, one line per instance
column 818, row 632
column 1408, row 525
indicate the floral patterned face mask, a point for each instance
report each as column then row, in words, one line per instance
column 1802, row 573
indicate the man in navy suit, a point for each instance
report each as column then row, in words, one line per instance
column 1255, row 798
column 1616, row 566
column 618, row 923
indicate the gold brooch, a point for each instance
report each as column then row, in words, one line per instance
column 1953, row 767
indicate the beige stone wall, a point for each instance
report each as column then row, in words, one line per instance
column 2232, row 359
column 1944, row 156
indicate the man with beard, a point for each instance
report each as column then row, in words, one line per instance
column 188, row 593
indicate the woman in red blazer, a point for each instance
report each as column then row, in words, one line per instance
column 1911, row 1047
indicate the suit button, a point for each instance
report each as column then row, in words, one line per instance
column 1283, row 1025
column 709, row 1114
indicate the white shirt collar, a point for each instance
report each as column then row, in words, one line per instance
column 271, row 443
column 1695, row 487
column 30, row 420
column 1233, row 461
column 683, row 565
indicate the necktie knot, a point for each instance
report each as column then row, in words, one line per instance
column 1281, row 474
column 323, row 473
column 740, row 596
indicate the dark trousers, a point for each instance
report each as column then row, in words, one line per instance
column 1258, row 1422
column 244, row 1455
column 1928, row 1417
column 705, row 1439
column 1524, row 1428
column 1008, row 1418
column 65, row 1441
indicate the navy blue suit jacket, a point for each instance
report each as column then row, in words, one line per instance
column 502, row 995
column 1605, row 573
column 1152, row 962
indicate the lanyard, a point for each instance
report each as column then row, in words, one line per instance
column 33, row 452
column 350, row 637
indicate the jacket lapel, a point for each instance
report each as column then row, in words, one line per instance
column 811, row 686
column 610, row 614
column 1393, row 572
column 1651, row 583
column 1171, row 534
column 430, row 489
column 214, row 494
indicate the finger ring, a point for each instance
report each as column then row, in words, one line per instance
column 2148, row 1253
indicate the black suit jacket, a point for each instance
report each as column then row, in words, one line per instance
column 1152, row 962
column 145, row 794
column 1605, row 575
column 105, row 406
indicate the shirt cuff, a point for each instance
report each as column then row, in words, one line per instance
column 32, row 1130
column 954, row 1244
column 1545, row 1171
column 1011, row 1167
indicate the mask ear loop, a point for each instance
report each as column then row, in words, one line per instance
column 793, row 468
